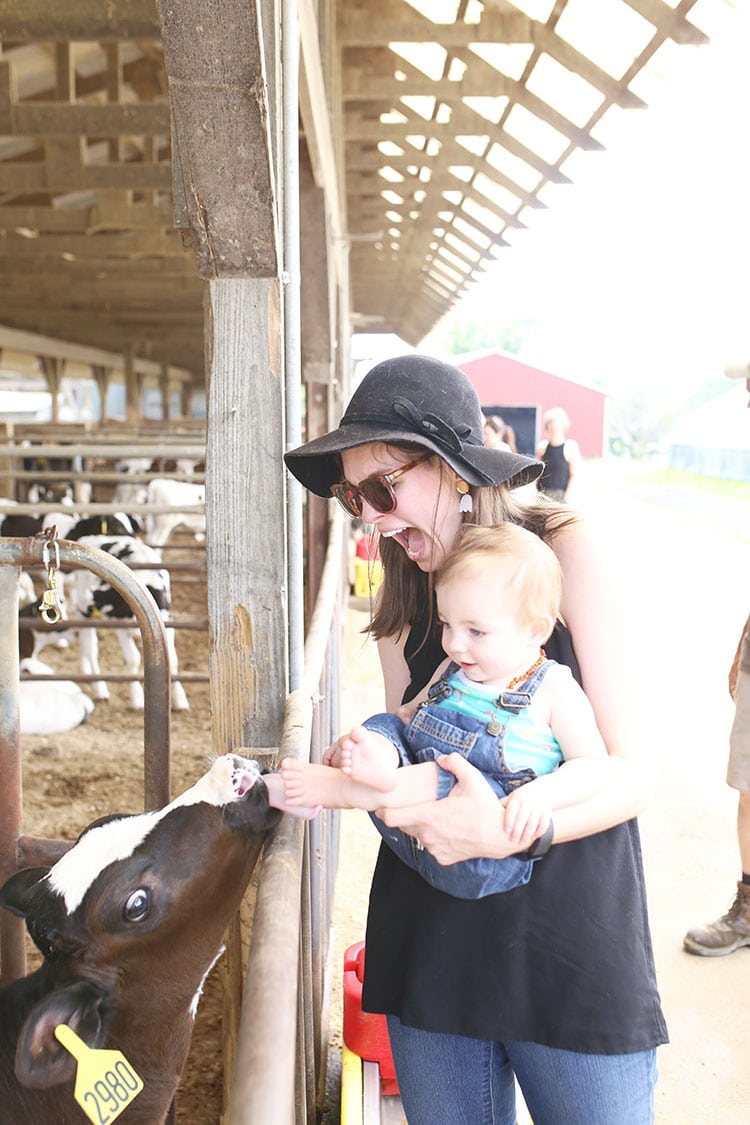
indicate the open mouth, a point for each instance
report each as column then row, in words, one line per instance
column 404, row 535
column 245, row 773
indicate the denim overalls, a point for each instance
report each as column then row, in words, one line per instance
column 437, row 729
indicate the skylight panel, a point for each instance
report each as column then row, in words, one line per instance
column 609, row 32
column 491, row 109
column 536, row 9
column 483, row 215
column 463, row 247
column 509, row 59
column 476, row 145
column 566, row 92
column 424, row 107
column 497, row 194
column 428, row 58
column 513, row 167
column 535, row 134
column 461, row 226
column 437, row 11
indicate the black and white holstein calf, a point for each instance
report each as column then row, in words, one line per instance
column 130, row 921
column 92, row 597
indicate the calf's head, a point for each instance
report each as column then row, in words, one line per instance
column 131, row 919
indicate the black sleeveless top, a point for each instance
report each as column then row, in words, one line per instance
column 556, row 472
column 565, row 961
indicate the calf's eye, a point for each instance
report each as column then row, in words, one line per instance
column 138, row 905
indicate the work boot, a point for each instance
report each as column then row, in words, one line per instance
column 725, row 934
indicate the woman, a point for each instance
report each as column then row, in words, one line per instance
column 553, row 981
column 559, row 454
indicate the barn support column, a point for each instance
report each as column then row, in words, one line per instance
column 132, row 387
column 318, row 352
column 245, row 550
column 52, row 366
column 245, row 547
column 164, row 387
column 101, row 378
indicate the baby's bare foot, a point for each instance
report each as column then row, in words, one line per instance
column 370, row 759
column 308, row 783
column 277, row 798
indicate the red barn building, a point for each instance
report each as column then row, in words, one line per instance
column 522, row 394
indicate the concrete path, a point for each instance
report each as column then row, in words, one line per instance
column 682, row 561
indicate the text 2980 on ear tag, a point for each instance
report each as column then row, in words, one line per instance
column 105, row 1081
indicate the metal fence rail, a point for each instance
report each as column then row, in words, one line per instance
column 283, row 1041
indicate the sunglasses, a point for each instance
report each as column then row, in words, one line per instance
column 377, row 490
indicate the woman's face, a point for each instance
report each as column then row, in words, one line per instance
column 426, row 518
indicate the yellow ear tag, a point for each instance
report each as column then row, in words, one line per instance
column 105, row 1081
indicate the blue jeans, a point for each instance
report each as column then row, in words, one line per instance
column 471, row 878
column 471, row 1081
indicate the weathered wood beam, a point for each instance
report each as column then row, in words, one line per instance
column 450, row 154
column 27, row 20
column 17, row 177
column 406, row 25
column 359, row 84
column 464, row 122
column 494, row 27
column 128, row 270
column 19, row 341
column 45, row 118
column 670, row 22
column 222, row 152
column 129, row 244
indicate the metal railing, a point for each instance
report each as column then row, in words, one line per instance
column 16, row 849
column 282, row 1049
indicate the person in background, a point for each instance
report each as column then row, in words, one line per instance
column 732, row 930
column 496, row 433
column 552, row 982
column 560, row 456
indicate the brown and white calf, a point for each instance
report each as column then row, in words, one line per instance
column 129, row 921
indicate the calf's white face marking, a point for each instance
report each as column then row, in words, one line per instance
column 228, row 780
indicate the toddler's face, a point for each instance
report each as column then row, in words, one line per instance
column 481, row 628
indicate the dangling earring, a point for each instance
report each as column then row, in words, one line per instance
column 466, row 503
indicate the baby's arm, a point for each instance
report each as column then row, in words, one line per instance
column 529, row 808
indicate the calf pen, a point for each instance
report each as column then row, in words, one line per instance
column 278, row 1059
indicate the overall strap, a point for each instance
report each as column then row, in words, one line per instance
column 518, row 700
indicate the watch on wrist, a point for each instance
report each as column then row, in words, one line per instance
column 541, row 845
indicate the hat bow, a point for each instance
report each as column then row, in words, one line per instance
column 435, row 427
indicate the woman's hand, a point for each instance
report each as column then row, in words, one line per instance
column 467, row 824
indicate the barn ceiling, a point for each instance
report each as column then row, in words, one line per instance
column 451, row 129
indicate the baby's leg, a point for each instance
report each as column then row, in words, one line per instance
column 370, row 758
column 308, row 783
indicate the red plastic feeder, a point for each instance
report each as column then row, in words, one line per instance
column 365, row 1033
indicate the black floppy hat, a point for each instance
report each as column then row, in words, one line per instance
column 416, row 399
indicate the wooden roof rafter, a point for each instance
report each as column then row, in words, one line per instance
column 376, row 115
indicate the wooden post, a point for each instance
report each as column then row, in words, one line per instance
column 245, row 544
column 52, row 367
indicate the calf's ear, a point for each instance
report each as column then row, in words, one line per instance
column 14, row 895
column 41, row 1060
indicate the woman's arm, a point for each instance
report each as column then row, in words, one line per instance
column 396, row 677
column 602, row 627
